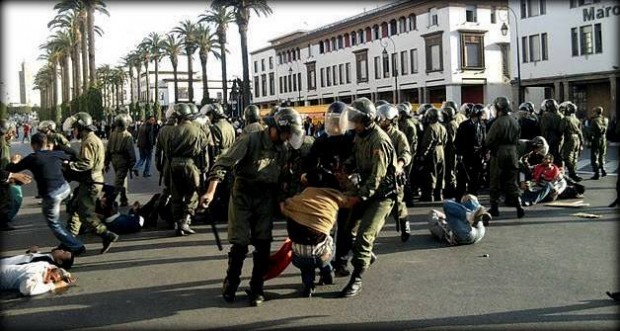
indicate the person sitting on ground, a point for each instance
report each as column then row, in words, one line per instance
column 107, row 210
column 59, row 256
column 461, row 223
column 34, row 278
column 547, row 183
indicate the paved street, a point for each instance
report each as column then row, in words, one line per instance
column 549, row 270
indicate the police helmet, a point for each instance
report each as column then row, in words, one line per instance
column 432, row 115
column 387, row 112
column 47, row 126
column 122, row 121
column 193, row 108
column 501, row 104
column 549, row 105
column 183, row 111
column 337, row 119
column 381, row 102
column 568, row 108
column 288, row 120
column 466, row 108
column 597, row 110
column 170, row 112
column 213, row 109
column 541, row 144
column 449, row 103
column 476, row 110
column 423, row 108
column 527, row 106
column 363, row 111
column 404, row 109
column 81, row 121
column 251, row 114
column 448, row 113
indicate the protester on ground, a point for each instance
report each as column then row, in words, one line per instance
column 34, row 278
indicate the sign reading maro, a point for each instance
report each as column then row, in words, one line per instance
column 591, row 13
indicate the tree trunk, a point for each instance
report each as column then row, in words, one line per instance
column 190, row 77
column 131, row 95
column 91, row 45
column 77, row 83
column 243, row 33
column 65, row 79
column 205, row 81
column 148, row 82
column 84, row 54
column 138, row 81
column 222, row 41
column 56, row 109
column 156, row 81
column 176, row 82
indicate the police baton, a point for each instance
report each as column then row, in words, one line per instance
column 211, row 221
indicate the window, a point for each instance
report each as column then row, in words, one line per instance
column 470, row 13
column 505, row 49
column 321, row 47
column 347, row 40
column 432, row 17
column 340, row 73
column 299, row 80
column 294, row 79
column 413, row 57
column 386, row 65
column 288, row 56
column 375, row 32
column 368, row 34
column 262, row 65
column 290, row 83
column 576, row 3
column 493, row 15
column 411, row 21
column 543, row 47
column 402, row 25
column 311, row 83
column 285, row 84
column 334, row 68
column 360, row 36
column 377, row 68
column 384, row 30
column 394, row 64
column 256, row 90
column 524, row 49
column 272, row 85
column 340, row 43
column 327, row 45
column 531, row 8
column 294, row 55
column 404, row 64
column 523, row 9
column 281, row 85
column 353, row 38
column 322, row 77
column 309, row 50
column 347, row 69
column 361, row 65
column 334, row 45
column 263, row 83
column 598, row 38
column 535, row 48
column 434, row 53
column 472, row 51
column 255, row 66
column 393, row 28
column 585, row 36
column 574, row 41
column 328, row 76
column 271, row 62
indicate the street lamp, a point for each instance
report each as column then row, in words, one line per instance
column 394, row 67
column 504, row 30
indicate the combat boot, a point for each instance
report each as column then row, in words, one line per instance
column 437, row 195
column 603, row 172
column 183, row 228
column 233, row 273
column 261, row 264
column 108, row 238
column 596, row 176
column 354, row 287
column 405, row 229
column 520, row 211
column 494, row 211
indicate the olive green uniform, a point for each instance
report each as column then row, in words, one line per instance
column 570, row 126
column 460, row 118
column 187, row 152
column 502, row 140
column 403, row 153
column 91, row 158
column 550, row 130
column 450, row 158
column 120, row 151
column 297, row 158
column 432, row 151
column 59, row 140
column 375, row 160
column 223, row 136
column 162, row 161
column 253, row 127
column 598, row 146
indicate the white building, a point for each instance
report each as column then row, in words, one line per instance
column 568, row 50
column 422, row 51
column 166, row 87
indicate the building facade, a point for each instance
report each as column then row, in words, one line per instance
column 422, row 51
column 568, row 50
column 166, row 87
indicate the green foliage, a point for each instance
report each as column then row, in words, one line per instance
column 157, row 111
column 3, row 111
column 65, row 111
column 95, row 103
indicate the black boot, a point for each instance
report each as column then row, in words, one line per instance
column 494, row 211
column 596, row 176
column 354, row 287
column 405, row 229
column 437, row 195
column 183, row 228
column 108, row 238
column 261, row 264
column 603, row 172
column 233, row 273
column 520, row 211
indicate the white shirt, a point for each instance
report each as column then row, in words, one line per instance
column 27, row 278
column 23, row 258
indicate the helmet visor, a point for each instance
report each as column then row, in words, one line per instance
column 67, row 125
column 296, row 138
column 337, row 124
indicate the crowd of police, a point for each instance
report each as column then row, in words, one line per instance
column 381, row 155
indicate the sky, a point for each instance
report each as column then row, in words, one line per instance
column 24, row 29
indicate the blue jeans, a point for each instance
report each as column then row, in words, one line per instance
column 51, row 211
column 308, row 265
column 456, row 216
column 145, row 159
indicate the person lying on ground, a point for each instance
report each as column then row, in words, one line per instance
column 59, row 256
column 35, row 278
column 461, row 223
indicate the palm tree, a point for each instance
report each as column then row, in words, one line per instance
column 78, row 7
column 241, row 10
column 91, row 6
column 187, row 32
column 144, row 53
column 52, row 56
column 221, row 17
column 208, row 45
column 71, row 22
column 62, row 43
column 127, row 62
column 118, row 76
column 155, row 44
column 172, row 47
column 44, row 82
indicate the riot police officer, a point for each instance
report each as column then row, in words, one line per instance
column 162, row 160
column 222, row 131
column 408, row 125
column 90, row 164
column 570, row 126
column 120, row 151
column 470, row 152
column 187, row 150
column 451, row 126
column 387, row 118
column 598, row 147
column 528, row 121
column 502, row 140
column 60, row 142
column 431, row 154
column 251, row 118
column 374, row 159
column 258, row 161
column 550, row 128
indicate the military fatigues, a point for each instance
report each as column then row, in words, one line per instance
column 408, row 126
column 570, row 126
column 296, row 165
column 187, row 150
column 431, row 152
column 90, row 159
column 162, row 161
column 375, row 160
column 450, row 159
column 258, row 165
column 224, row 136
column 120, row 151
column 550, row 130
column 469, row 145
column 253, row 127
column 502, row 140
column 598, row 145
column 403, row 153
column 5, row 187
